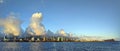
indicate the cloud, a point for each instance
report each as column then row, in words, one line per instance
column 11, row 25
column 36, row 27
column 1, row 1
column 62, row 32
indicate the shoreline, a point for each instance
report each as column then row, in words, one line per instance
column 59, row 41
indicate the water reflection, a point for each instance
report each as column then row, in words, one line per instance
column 48, row 46
column 42, row 46
column 63, row 46
column 54, row 45
column 10, row 46
column 35, row 47
column 59, row 46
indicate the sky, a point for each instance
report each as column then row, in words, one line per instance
column 81, row 17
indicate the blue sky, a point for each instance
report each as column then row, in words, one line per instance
column 82, row 17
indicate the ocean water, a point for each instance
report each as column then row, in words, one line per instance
column 59, row 46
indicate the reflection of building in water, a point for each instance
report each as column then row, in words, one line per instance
column 35, row 47
column 10, row 46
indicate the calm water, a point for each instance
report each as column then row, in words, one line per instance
column 59, row 46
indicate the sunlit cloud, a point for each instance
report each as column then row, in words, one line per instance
column 62, row 32
column 36, row 27
column 11, row 25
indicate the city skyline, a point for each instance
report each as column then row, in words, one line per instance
column 93, row 18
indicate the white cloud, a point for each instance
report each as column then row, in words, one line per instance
column 11, row 25
column 35, row 25
column 1, row 1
